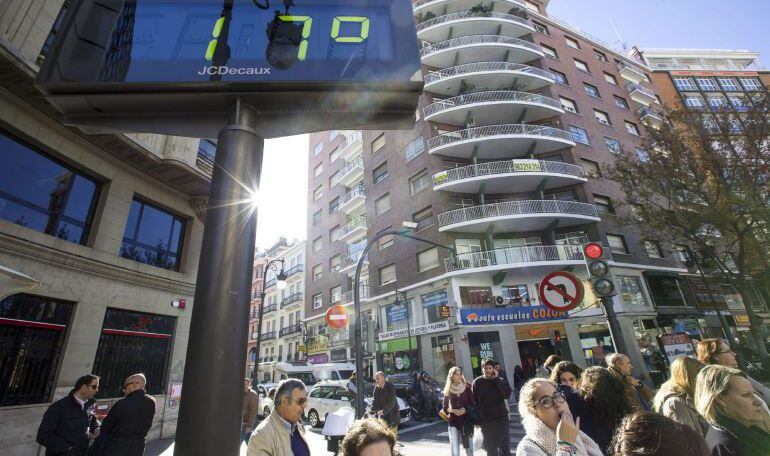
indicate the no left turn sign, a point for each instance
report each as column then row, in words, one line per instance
column 561, row 291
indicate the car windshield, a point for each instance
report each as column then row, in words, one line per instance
column 307, row 377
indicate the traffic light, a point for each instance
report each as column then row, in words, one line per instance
column 602, row 281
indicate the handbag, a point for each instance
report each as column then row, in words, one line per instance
column 443, row 415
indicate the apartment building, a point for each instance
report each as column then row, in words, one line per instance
column 108, row 227
column 256, row 289
column 521, row 116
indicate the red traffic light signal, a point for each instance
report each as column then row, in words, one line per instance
column 593, row 251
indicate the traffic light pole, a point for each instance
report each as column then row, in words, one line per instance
column 615, row 332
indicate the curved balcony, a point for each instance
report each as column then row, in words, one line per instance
column 489, row 107
column 495, row 142
column 451, row 6
column 352, row 172
column 352, row 146
column 530, row 257
column 479, row 48
column 516, row 216
column 483, row 76
column 463, row 23
column 510, row 176
column 641, row 94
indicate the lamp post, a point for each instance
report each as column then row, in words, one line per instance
column 408, row 309
column 281, row 284
column 358, row 342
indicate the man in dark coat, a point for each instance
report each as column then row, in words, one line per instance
column 385, row 403
column 65, row 425
column 125, row 429
column 491, row 394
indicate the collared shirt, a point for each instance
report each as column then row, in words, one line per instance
column 290, row 427
column 80, row 401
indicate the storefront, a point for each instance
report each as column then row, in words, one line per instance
column 399, row 355
column 648, row 337
column 596, row 342
column 538, row 342
column 484, row 345
column 444, row 358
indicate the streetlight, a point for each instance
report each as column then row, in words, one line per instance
column 407, row 307
column 281, row 284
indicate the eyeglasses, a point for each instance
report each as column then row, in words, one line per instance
column 93, row 387
column 301, row 401
column 549, row 401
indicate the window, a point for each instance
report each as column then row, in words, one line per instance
column 632, row 128
column 579, row 135
column 335, row 294
column 581, row 65
column 617, row 244
column 423, row 218
column 571, row 42
column 610, row 78
column 717, row 103
column 54, row 30
column 613, row 145
column 706, row 84
column 541, row 28
column 631, row 291
column 642, row 155
column 317, row 217
column 318, row 149
column 153, row 236
column 385, row 241
column 515, row 295
column 531, row 6
column 738, row 102
column 318, row 170
column 317, row 271
column 653, row 249
column 591, row 90
column 694, row 102
column 591, row 168
column 334, row 234
column 476, row 296
column 682, row 253
column 684, row 84
column 380, row 173
column 600, row 56
column 333, row 134
column 414, row 148
column 559, row 77
column 334, row 263
column 621, row 103
column 207, row 150
column 317, row 244
column 318, row 193
column 603, row 204
column 382, row 204
column 378, row 143
column 549, row 51
column 42, row 194
column 334, row 155
column 751, row 84
column 711, row 125
column 388, row 274
column 318, row 301
column 334, row 178
column 602, row 117
column 419, row 182
column 568, row 105
column 427, row 259
column 133, row 342
column 729, row 84
column 334, row 205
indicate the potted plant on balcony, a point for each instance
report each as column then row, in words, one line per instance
column 481, row 10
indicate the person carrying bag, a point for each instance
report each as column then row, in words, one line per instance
column 459, row 408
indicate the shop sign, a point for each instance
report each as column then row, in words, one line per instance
column 318, row 345
column 443, row 348
column 677, row 345
column 485, row 350
column 392, row 346
column 339, row 355
column 397, row 312
column 535, row 332
column 742, row 319
column 523, row 314
column 443, row 311
column 301, row 348
column 416, row 331
column 436, row 298
column 320, row 358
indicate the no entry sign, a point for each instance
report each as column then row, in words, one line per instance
column 561, row 290
column 337, row 317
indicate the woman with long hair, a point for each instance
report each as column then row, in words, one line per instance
column 458, row 401
column 674, row 399
column 718, row 351
column 566, row 373
column 652, row 434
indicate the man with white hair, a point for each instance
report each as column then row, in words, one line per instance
column 125, row 429
column 639, row 395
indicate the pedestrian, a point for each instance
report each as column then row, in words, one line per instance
column 518, row 381
column 282, row 433
column 500, row 371
column 639, row 395
column 544, row 371
column 674, row 399
column 718, row 351
column 352, row 384
column 368, row 437
column 491, row 394
column 64, row 430
column 124, row 430
column 566, row 373
column 428, row 396
column 652, row 434
column 249, row 411
column 727, row 400
column 459, row 405
column 550, row 428
column 384, row 402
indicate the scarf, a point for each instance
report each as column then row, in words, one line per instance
column 545, row 438
column 754, row 439
column 457, row 388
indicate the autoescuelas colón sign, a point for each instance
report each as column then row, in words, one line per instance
column 510, row 315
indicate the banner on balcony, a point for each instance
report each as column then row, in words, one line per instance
column 523, row 314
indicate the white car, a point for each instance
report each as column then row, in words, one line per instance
column 266, row 392
column 329, row 396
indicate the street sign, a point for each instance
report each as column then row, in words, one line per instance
column 561, row 291
column 301, row 348
column 337, row 317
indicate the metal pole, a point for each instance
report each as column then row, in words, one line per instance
column 408, row 323
column 210, row 413
column 615, row 332
column 255, row 374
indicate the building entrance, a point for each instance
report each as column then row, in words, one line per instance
column 533, row 353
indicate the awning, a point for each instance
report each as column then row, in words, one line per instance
column 12, row 282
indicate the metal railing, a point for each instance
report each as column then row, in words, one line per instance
column 352, row 260
column 353, row 224
column 515, row 208
column 358, row 190
column 270, row 308
column 478, row 39
column 497, row 130
column 352, row 137
column 471, row 14
column 347, row 297
column 350, row 166
column 479, row 67
column 291, row 329
column 295, row 270
column 271, row 283
column 418, row 3
column 490, row 97
column 268, row 336
column 291, row 299
column 507, row 167
column 631, row 86
column 624, row 66
column 514, row 255
column 645, row 111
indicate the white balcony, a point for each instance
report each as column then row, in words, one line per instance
column 546, row 257
column 630, row 73
column 353, row 201
column 352, row 172
column 649, row 116
column 517, row 216
column 641, row 94
column 483, row 76
column 489, row 107
column 363, row 293
column 352, row 146
column 354, row 230
column 495, row 142
column 510, row 176
column 479, row 48
column 438, row 7
column 464, row 23
column 349, row 263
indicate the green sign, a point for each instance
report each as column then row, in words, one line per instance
column 526, row 165
column 392, row 346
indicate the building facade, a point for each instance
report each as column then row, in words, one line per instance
column 256, row 302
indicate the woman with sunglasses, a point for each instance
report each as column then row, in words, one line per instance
column 550, row 428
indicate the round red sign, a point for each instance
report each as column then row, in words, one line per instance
column 561, row 291
column 337, row 317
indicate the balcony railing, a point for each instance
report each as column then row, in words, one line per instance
column 492, row 96
column 632, row 86
column 354, row 224
column 270, row 308
column 351, row 260
column 292, row 329
column 471, row 14
column 358, row 190
column 514, row 255
column 206, row 156
column 509, row 208
column 507, row 167
column 350, row 138
column 478, row 39
column 291, row 299
column 350, row 166
column 271, row 283
column 294, row 270
column 497, row 130
column 647, row 112
column 267, row 336
column 419, row 3
column 347, row 297
column 481, row 67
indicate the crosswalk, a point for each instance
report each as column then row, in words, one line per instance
column 516, row 428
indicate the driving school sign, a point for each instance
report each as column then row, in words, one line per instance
column 561, row 291
column 523, row 314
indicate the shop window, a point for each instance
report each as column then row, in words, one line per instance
column 153, row 236
column 596, row 343
column 631, row 292
column 665, row 290
column 515, row 295
column 435, row 305
column 476, row 296
column 444, row 358
column 484, row 345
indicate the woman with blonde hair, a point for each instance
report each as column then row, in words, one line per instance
column 718, row 351
column 726, row 399
column 458, row 403
column 675, row 396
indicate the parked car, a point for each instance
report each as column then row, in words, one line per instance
column 329, row 396
column 266, row 393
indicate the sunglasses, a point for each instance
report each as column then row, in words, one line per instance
column 301, row 401
column 93, row 387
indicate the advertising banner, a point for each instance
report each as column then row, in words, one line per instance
column 396, row 345
column 319, row 358
column 510, row 315
column 677, row 345
column 416, row 331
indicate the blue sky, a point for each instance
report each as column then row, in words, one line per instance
column 724, row 24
